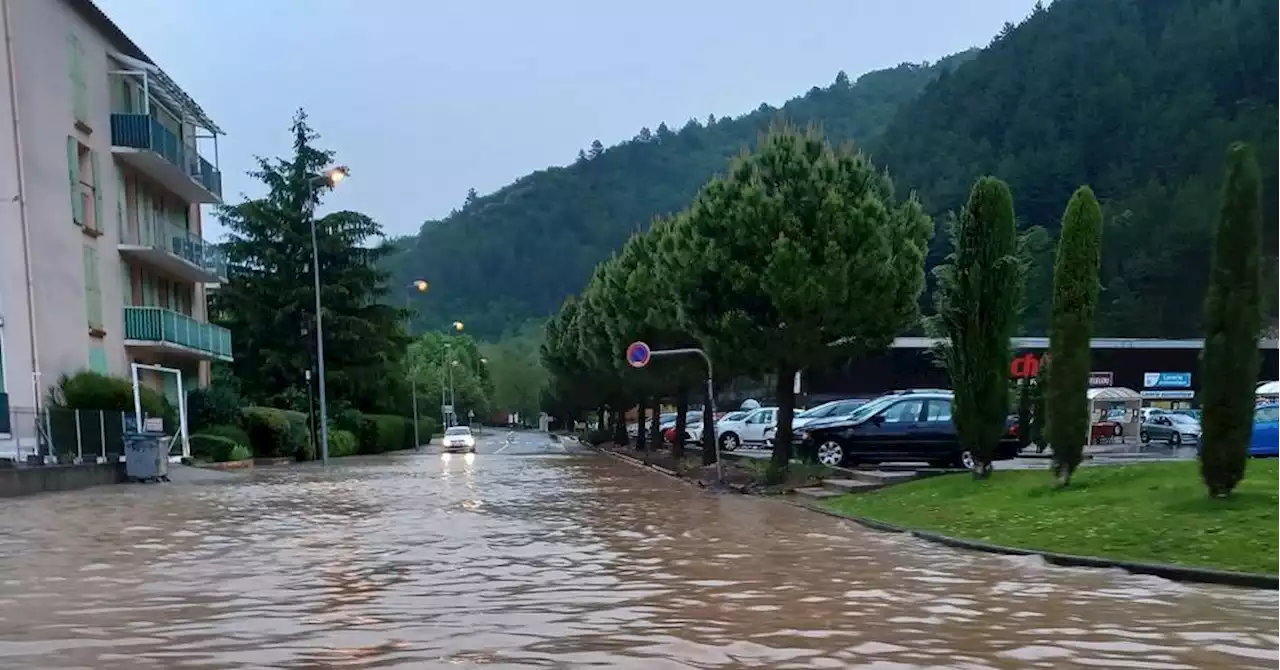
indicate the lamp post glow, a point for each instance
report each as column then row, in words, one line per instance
column 421, row 286
column 328, row 180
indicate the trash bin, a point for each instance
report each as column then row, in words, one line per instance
column 145, row 459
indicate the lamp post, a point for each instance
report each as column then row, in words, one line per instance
column 329, row 179
column 421, row 286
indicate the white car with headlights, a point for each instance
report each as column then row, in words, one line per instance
column 458, row 438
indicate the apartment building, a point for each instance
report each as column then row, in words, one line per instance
column 102, row 260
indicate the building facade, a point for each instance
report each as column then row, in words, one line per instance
column 102, row 260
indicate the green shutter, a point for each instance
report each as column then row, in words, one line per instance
column 97, row 190
column 126, row 284
column 92, row 287
column 121, row 198
column 73, row 174
column 98, row 359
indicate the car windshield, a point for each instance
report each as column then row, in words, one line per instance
column 820, row 411
column 458, row 430
column 733, row 416
column 871, row 407
column 1182, row 419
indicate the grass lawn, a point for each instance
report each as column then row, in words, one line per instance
column 1155, row 512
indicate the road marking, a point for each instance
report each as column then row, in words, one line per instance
column 503, row 447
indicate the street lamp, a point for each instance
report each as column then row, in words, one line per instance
column 327, row 180
column 421, row 286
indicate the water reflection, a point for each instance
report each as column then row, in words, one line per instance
column 414, row 561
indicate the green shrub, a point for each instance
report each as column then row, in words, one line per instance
column 597, row 436
column 234, row 433
column 213, row 448
column 268, row 430
column 300, row 445
column 426, row 428
column 218, row 404
column 342, row 443
column 240, row 453
column 92, row 390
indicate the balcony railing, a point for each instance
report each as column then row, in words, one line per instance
column 156, row 324
column 140, row 131
column 160, row 234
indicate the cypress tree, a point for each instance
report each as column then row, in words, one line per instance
column 1233, row 319
column 978, row 298
column 1075, row 298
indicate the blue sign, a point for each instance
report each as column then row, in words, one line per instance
column 1177, row 380
column 638, row 354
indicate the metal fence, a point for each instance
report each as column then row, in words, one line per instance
column 69, row 435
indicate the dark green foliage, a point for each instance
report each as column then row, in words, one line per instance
column 547, row 230
column 979, row 290
column 1075, row 299
column 1039, row 414
column 1233, row 321
column 269, row 304
column 795, row 229
column 1134, row 97
column 216, row 404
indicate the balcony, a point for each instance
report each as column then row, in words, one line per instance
column 174, row 251
column 165, row 331
column 146, row 145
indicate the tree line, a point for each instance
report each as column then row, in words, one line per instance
column 803, row 253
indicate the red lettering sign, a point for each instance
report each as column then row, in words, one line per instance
column 1026, row 366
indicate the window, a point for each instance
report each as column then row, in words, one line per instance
column 86, row 190
column 1267, row 415
column 907, row 411
column 939, row 410
column 79, row 91
column 92, row 288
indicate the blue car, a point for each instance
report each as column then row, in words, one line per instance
column 1266, row 431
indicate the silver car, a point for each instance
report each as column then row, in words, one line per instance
column 1172, row 428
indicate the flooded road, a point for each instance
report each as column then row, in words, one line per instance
column 531, row 556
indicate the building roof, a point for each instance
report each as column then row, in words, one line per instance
column 166, row 88
column 1095, row 343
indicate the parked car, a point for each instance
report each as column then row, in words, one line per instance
column 749, row 430
column 1266, row 431
column 910, row 425
column 669, row 428
column 694, row 431
column 1193, row 413
column 1172, row 428
column 834, row 408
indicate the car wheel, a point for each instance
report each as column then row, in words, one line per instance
column 967, row 460
column 1144, row 437
column 831, row 453
column 1175, row 439
column 729, row 442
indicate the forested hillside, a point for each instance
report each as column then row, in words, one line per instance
column 1137, row 98
column 515, row 254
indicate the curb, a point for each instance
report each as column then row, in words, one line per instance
column 1176, row 573
column 666, row 472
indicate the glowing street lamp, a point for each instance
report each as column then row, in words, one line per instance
column 329, row 179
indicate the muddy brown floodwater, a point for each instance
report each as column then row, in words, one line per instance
column 538, row 558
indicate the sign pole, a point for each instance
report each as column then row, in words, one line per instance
column 638, row 356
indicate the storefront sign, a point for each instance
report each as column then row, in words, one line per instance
column 1025, row 366
column 1168, row 395
column 1099, row 380
column 1177, row 380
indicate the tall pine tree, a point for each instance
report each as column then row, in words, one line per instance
column 1233, row 319
column 269, row 302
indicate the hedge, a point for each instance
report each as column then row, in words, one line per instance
column 342, row 443
column 234, row 433
column 274, row 433
column 218, row 449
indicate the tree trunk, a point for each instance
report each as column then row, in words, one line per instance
column 682, row 421
column 781, row 459
column 641, row 422
column 619, row 427
column 655, row 424
column 709, row 436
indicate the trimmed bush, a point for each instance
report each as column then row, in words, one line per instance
column 426, row 428
column 342, row 443
column 268, row 430
column 300, row 446
column 234, row 433
column 215, row 405
column 240, row 453
column 91, row 390
column 214, row 448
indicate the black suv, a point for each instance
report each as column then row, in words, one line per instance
column 913, row 425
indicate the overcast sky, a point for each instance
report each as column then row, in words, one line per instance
column 425, row 99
